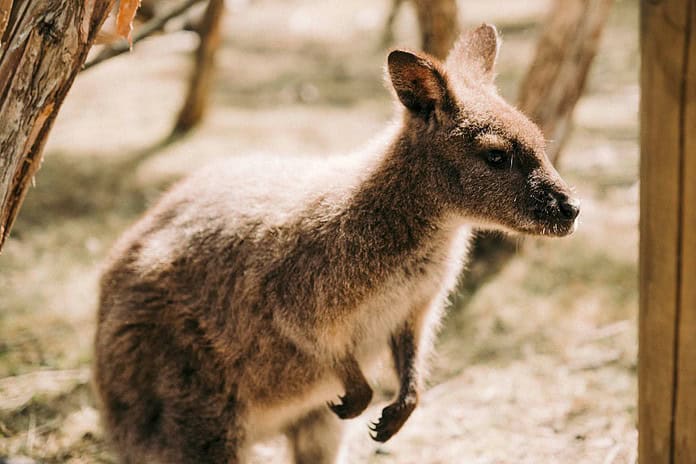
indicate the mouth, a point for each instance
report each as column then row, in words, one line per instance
column 549, row 228
column 557, row 220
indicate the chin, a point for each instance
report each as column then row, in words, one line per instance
column 541, row 229
column 544, row 229
column 562, row 229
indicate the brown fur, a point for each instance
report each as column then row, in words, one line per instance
column 253, row 292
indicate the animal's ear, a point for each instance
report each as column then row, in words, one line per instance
column 419, row 83
column 475, row 53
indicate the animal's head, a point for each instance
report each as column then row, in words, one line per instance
column 488, row 158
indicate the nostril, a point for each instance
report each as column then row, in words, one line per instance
column 570, row 208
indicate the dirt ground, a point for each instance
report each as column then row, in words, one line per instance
column 537, row 366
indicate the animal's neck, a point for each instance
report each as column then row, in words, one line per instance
column 394, row 211
column 391, row 226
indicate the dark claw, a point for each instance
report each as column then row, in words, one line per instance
column 351, row 406
column 340, row 408
column 333, row 405
column 393, row 418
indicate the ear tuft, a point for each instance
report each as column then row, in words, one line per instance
column 476, row 52
column 418, row 82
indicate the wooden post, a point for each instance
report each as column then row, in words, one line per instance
column 43, row 46
column 667, row 353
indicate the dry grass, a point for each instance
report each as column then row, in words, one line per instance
column 539, row 366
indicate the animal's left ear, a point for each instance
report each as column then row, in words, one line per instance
column 475, row 53
column 418, row 81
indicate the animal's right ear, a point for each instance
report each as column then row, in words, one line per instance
column 418, row 81
column 475, row 53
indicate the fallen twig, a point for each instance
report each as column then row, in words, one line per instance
column 18, row 390
column 599, row 362
column 613, row 454
column 607, row 331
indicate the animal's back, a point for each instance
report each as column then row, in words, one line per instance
column 230, row 207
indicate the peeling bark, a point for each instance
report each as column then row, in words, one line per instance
column 117, row 47
column 44, row 44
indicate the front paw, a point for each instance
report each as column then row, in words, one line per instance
column 352, row 404
column 393, row 418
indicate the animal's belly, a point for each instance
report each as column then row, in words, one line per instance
column 379, row 317
column 264, row 421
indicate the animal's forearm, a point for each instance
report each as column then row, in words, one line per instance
column 358, row 393
column 404, row 348
column 405, row 353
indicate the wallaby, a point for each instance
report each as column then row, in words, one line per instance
column 258, row 290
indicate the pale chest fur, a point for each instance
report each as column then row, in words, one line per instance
column 419, row 284
column 366, row 335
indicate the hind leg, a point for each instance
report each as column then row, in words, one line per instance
column 177, row 417
column 179, row 434
column 316, row 438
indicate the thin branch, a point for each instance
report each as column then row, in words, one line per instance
column 388, row 32
column 149, row 28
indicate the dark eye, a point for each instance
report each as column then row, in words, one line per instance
column 497, row 158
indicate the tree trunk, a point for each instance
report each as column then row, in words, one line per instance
column 439, row 25
column 548, row 94
column 199, row 87
column 556, row 79
column 44, row 44
column 388, row 31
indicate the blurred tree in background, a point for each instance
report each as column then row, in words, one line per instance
column 548, row 94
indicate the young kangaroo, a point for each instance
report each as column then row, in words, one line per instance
column 255, row 292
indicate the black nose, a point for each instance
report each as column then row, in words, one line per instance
column 570, row 208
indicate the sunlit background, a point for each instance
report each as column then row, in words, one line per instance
column 536, row 365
